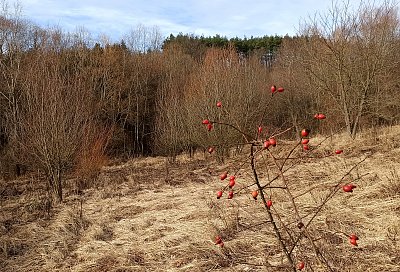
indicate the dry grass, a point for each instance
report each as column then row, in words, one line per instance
column 150, row 215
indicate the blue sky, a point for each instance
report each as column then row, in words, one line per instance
column 230, row 18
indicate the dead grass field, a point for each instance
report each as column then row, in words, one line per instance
column 148, row 215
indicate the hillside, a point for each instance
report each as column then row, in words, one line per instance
column 150, row 215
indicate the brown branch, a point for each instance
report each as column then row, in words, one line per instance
column 270, row 216
column 327, row 198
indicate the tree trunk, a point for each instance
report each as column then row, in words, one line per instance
column 359, row 113
column 55, row 183
column 345, row 107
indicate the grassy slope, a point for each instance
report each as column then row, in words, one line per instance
column 145, row 218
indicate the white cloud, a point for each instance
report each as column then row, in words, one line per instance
column 209, row 17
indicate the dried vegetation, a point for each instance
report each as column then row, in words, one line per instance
column 148, row 214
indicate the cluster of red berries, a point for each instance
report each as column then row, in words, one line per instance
column 208, row 124
column 231, row 183
column 274, row 89
column 269, row 142
column 304, row 141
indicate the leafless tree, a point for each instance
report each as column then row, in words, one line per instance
column 348, row 54
column 143, row 39
column 56, row 116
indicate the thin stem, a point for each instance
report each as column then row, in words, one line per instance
column 327, row 198
column 245, row 135
column 271, row 218
column 285, row 182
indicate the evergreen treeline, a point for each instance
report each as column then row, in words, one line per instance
column 243, row 45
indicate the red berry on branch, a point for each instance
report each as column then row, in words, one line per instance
column 300, row 265
column 305, row 141
column 353, row 242
column 218, row 240
column 353, row 236
column 223, row 175
column 348, row 188
column 305, row 132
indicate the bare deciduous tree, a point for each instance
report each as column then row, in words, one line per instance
column 143, row 39
column 56, row 115
column 348, row 54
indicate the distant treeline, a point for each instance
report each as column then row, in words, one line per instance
column 243, row 45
